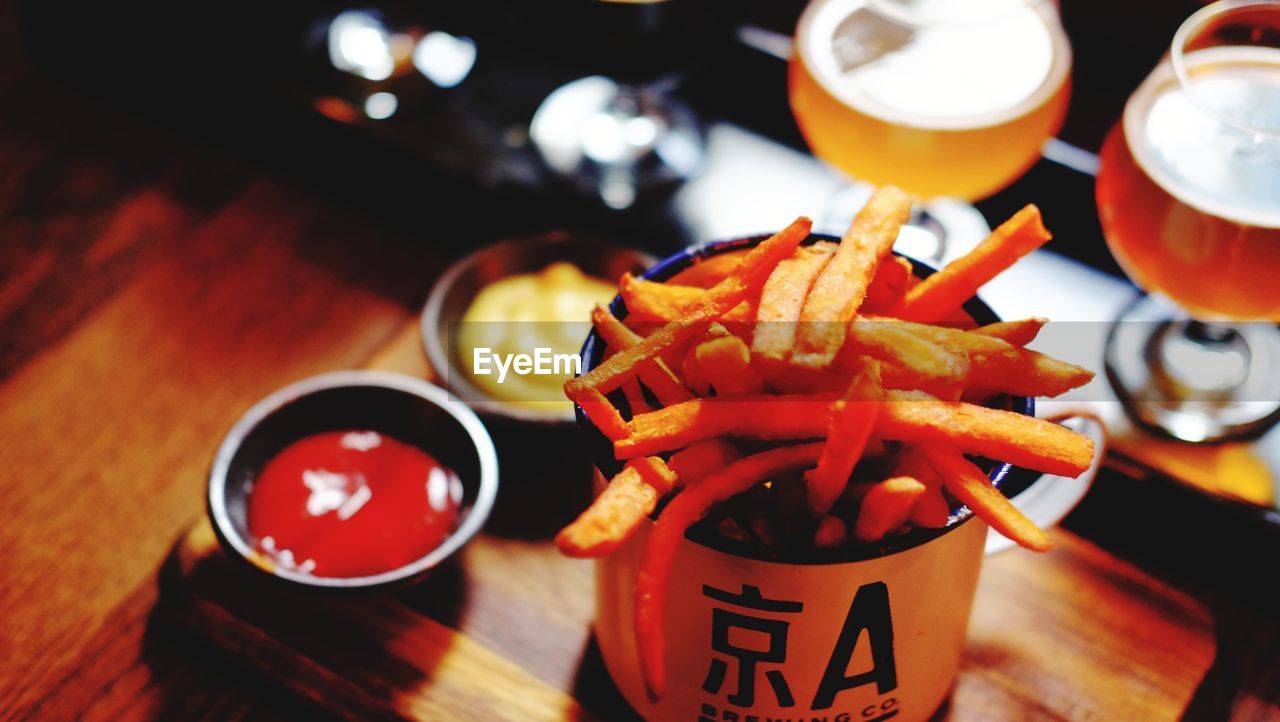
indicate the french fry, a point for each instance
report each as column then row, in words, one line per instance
column 603, row 414
column 996, row 365
column 910, row 361
column 931, row 510
column 1021, row 440
column 1018, row 439
column 840, row 288
column 886, row 507
column 636, row 401
column 763, row 417
column 710, row 270
column 852, row 419
column 1018, row 333
column 695, row 461
column 831, row 533
column 865, row 375
column 690, row 370
column 724, row 364
column 893, row 277
column 684, row 510
column 656, row 374
column 656, row 473
column 971, row 486
column 778, row 312
column 653, row 302
column 959, row 280
column 635, row 397
column 746, row 280
column 614, row 515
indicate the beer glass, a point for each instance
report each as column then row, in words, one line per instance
column 1188, row 193
column 940, row 98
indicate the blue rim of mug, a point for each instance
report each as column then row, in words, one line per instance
column 1010, row 480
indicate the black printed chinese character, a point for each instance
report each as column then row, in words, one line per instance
column 723, row 621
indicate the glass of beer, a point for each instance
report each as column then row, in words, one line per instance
column 1189, row 197
column 938, row 97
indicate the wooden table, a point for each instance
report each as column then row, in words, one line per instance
column 151, row 290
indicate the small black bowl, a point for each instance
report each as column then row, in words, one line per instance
column 402, row 407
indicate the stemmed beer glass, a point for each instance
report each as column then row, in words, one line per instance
column 938, row 97
column 1188, row 193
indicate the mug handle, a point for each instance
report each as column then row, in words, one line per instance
column 1052, row 497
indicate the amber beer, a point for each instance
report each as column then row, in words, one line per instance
column 940, row 98
column 1189, row 200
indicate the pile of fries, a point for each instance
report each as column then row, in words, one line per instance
column 815, row 396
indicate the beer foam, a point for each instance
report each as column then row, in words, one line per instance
column 923, row 65
column 1196, row 149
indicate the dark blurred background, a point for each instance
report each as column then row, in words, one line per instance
column 256, row 80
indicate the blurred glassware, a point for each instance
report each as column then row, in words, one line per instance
column 619, row 133
column 936, row 97
column 376, row 58
column 1188, row 194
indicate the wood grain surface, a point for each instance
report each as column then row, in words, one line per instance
column 505, row 634
column 151, row 290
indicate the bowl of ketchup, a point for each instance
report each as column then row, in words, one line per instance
column 352, row 479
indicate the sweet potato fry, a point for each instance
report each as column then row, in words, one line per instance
column 886, row 507
column 656, row 374
column 656, row 473
column 998, row 366
column 650, row 302
column 778, row 313
column 635, row 397
column 603, row 414
column 759, row 417
column 910, row 360
column 695, row 461
column 724, row 364
column 831, row 533
column 683, row 511
column 852, row 419
column 971, row 486
column 950, row 287
column 840, row 288
column 1018, row 333
column 931, row 510
column 746, row 280
column 893, row 276
column 614, row 514
column 707, row 272
column 1021, row 440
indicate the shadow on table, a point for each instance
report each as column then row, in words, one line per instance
column 1222, row 554
column 352, row 650
column 1243, row 683
column 544, row 478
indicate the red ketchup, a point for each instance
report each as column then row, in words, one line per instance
column 352, row 504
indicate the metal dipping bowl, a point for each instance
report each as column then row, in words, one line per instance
column 546, row 470
column 406, row 408
column 463, row 281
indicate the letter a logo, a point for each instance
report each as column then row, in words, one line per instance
column 870, row 611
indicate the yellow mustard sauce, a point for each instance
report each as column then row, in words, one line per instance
column 550, row 309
